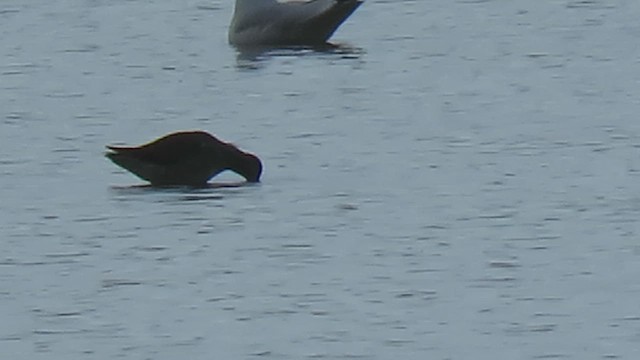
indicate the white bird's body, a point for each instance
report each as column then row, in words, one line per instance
column 292, row 22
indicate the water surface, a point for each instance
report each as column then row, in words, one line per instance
column 455, row 180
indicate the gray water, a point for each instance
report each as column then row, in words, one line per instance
column 457, row 180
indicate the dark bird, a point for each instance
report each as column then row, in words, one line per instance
column 288, row 22
column 188, row 158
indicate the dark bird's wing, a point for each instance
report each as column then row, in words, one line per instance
column 167, row 150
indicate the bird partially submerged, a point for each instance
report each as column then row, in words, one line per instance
column 187, row 158
column 288, row 22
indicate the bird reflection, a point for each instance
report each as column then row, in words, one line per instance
column 207, row 192
column 256, row 57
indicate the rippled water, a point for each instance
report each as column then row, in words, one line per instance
column 456, row 180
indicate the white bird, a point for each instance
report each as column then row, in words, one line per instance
column 288, row 22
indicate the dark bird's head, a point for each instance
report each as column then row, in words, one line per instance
column 250, row 167
column 226, row 155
